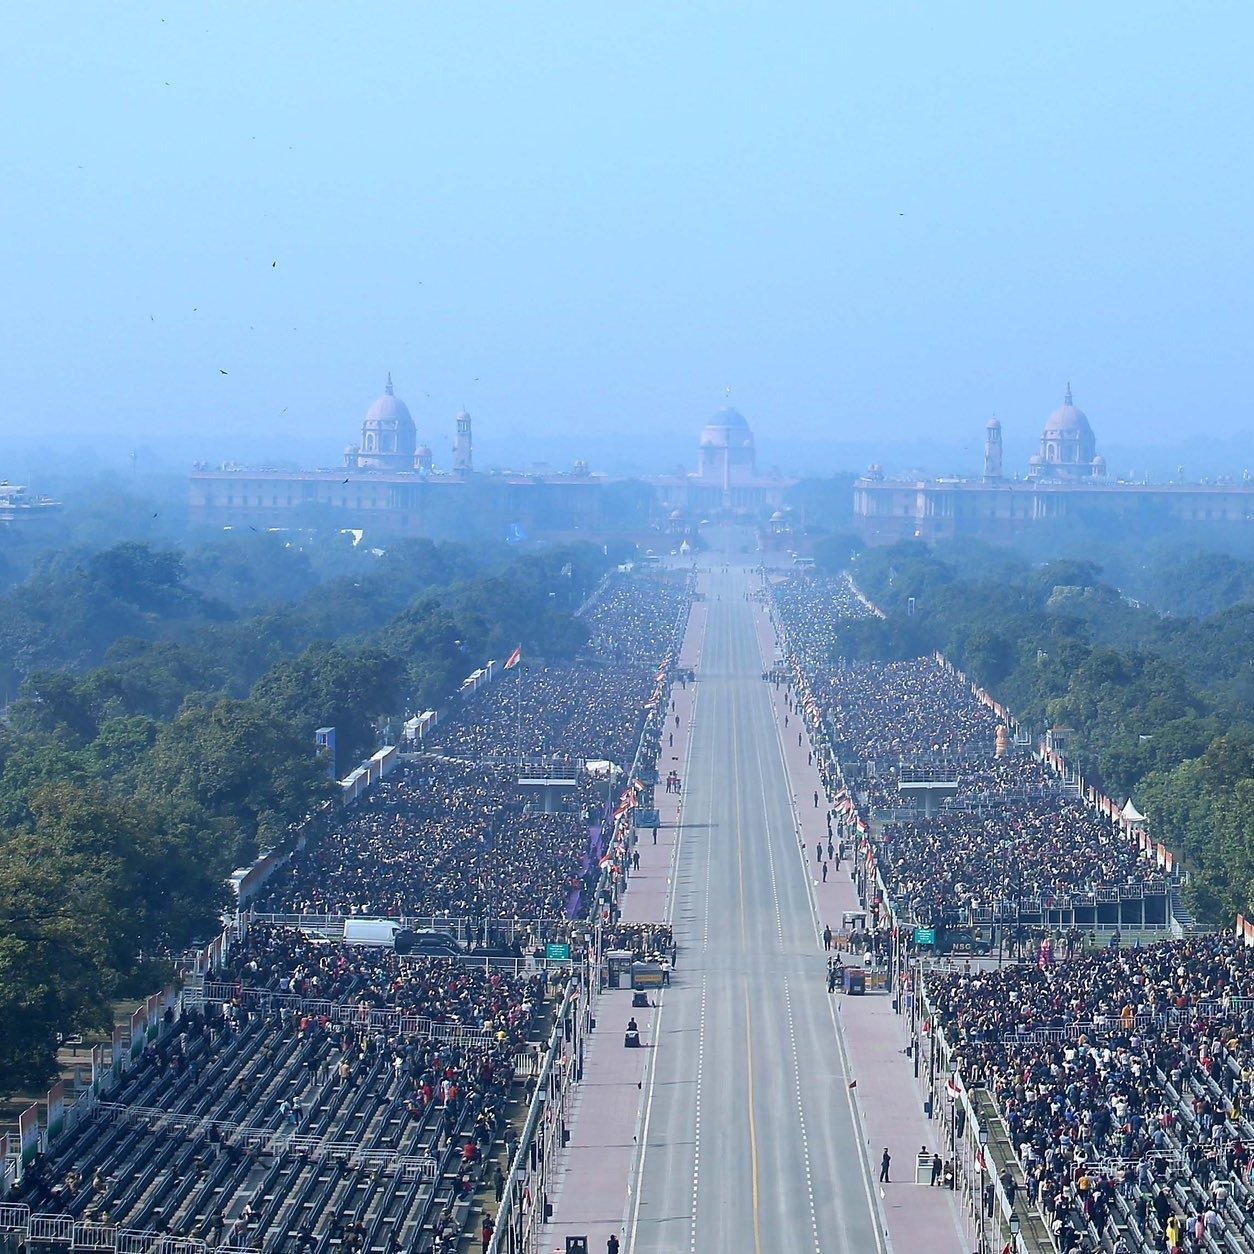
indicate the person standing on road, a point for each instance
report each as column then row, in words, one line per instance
column 816, row 799
column 611, row 1246
column 825, row 866
column 885, row 1160
column 827, row 939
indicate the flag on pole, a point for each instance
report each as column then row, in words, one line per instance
column 513, row 659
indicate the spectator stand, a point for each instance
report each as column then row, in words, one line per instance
column 68, row 1106
column 1163, row 1129
column 221, row 1072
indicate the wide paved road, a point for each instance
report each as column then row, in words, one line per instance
column 748, row 1140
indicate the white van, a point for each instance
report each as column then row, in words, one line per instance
column 371, row 932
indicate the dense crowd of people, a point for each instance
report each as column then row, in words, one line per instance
column 591, row 708
column 886, row 712
column 811, row 609
column 638, row 619
column 576, row 710
column 1123, row 1076
column 450, row 835
column 446, row 836
column 441, row 838
column 1010, row 832
column 1014, row 835
column 442, row 991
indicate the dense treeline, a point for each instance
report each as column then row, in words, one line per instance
column 1157, row 704
column 163, row 733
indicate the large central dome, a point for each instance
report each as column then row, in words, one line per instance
column 389, row 408
column 726, row 452
column 388, row 434
column 727, row 429
column 1068, row 446
column 1067, row 419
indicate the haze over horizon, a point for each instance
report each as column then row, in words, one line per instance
column 588, row 225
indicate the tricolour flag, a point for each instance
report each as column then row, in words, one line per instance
column 513, row 659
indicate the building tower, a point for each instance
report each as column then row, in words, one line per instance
column 992, row 451
column 463, row 453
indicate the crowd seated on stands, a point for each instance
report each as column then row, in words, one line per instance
column 440, row 838
column 638, row 621
column 536, row 711
column 1123, row 1076
column 811, row 608
column 261, row 1080
column 589, row 709
column 1044, row 848
column 332, row 1098
column 1010, row 832
column 886, row 712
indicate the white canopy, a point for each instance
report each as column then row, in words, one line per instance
column 1131, row 813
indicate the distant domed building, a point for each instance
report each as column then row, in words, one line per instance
column 726, row 451
column 726, row 480
column 1068, row 446
column 1066, row 479
column 388, row 436
column 390, row 483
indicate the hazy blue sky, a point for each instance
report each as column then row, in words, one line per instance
column 592, row 218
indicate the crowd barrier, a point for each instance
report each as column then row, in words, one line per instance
column 345, row 1013
column 18, row 1223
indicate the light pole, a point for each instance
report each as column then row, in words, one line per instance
column 1013, row 1223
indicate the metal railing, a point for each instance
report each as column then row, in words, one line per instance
column 63, row 1230
column 349, row 1013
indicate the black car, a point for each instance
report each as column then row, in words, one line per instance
column 427, row 941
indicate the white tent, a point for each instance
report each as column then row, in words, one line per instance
column 1131, row 813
